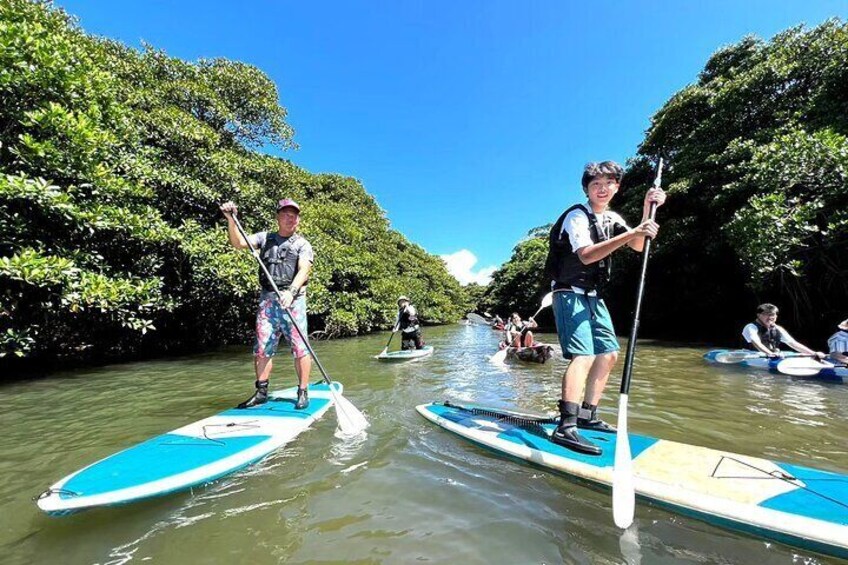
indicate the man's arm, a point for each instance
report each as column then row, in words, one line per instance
column 236, row 240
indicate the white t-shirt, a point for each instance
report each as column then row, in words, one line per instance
column 838, row 342
column 576, row 225
column 750, row 331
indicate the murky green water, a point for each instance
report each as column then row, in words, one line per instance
column 410, row 492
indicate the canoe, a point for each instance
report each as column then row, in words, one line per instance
column 787, row 503
column 188, row 456
column 830, row 374
column 406, row 354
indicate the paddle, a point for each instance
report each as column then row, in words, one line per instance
column 385, row 349
column 730, row 357
column 547, row 300
column 803, row 366
column 623, row 491
column 350, row 419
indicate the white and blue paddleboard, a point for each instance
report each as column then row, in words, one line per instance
column 189, row 456
column 828, row 374
column 791, row 504
column 406, row 354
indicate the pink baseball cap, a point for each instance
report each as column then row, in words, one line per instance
column 287, row 203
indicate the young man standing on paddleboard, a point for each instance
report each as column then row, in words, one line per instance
column 288, row 257
column 765, row 336
column 580, row 244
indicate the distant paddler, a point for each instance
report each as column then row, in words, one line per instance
column 838, row 344
column 517, row 331
column 408, row 324
column 765, row 336
column 288, row 257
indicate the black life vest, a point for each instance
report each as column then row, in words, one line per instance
column 280, row 257
column 564, row 265
column 407, row 321
column 769, row 337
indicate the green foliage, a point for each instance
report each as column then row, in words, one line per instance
column 112, row 167
column 520, row 283
column 758, row 195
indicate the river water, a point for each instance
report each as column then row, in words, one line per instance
column 409, row 492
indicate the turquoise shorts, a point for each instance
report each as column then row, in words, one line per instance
column 579, row 332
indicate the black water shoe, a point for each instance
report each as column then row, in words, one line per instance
column 595, row 425
column 587, row 419
column 302, row 399
column 259, row 397
column 567, row 436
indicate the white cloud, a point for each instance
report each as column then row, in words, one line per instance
column 461, row 266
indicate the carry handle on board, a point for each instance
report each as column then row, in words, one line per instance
column 351, row 421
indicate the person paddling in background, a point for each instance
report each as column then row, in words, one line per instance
column 517, row 332
column 288, row 257
column 838, row 344
column 580, row 244
column 765, row 336
column 407, row 323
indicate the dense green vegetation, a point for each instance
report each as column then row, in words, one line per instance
column 758, row 197
column 112, row 166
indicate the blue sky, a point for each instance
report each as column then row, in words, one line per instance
column 469, row 121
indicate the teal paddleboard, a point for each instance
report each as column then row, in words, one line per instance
column 787, row 503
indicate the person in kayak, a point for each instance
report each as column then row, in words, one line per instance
column 765, row 336
column 580, row 244
column 288, row 256
column 517, row 331
column 407, row 323
column 837, row 344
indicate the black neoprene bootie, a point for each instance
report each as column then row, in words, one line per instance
column 259, row 397
column 302, row 399
column 587, row 419
column 566, row 433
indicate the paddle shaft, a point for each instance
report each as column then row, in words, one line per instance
column 634, row 331
column 255, row 253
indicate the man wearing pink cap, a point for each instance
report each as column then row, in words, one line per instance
column 288, row 257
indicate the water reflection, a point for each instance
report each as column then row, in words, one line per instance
column 407, row 490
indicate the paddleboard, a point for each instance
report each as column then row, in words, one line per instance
column 189, row 456
column 406, row 354
column 830, row 374
column 787, row 503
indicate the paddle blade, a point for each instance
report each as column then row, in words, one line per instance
column 737, row 356
column 498, row 358
column 547, row 300
column 623, row 491
column 351, row 421
column 801, row 366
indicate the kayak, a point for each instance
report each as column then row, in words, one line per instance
column 189, row 456
column 498, row 327
column 537, row 353
column 829, row 374
column 790, row 504
column 406, row 354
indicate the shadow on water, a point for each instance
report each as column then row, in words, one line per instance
column 407, row 491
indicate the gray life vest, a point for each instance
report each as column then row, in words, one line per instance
column 280, row 257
